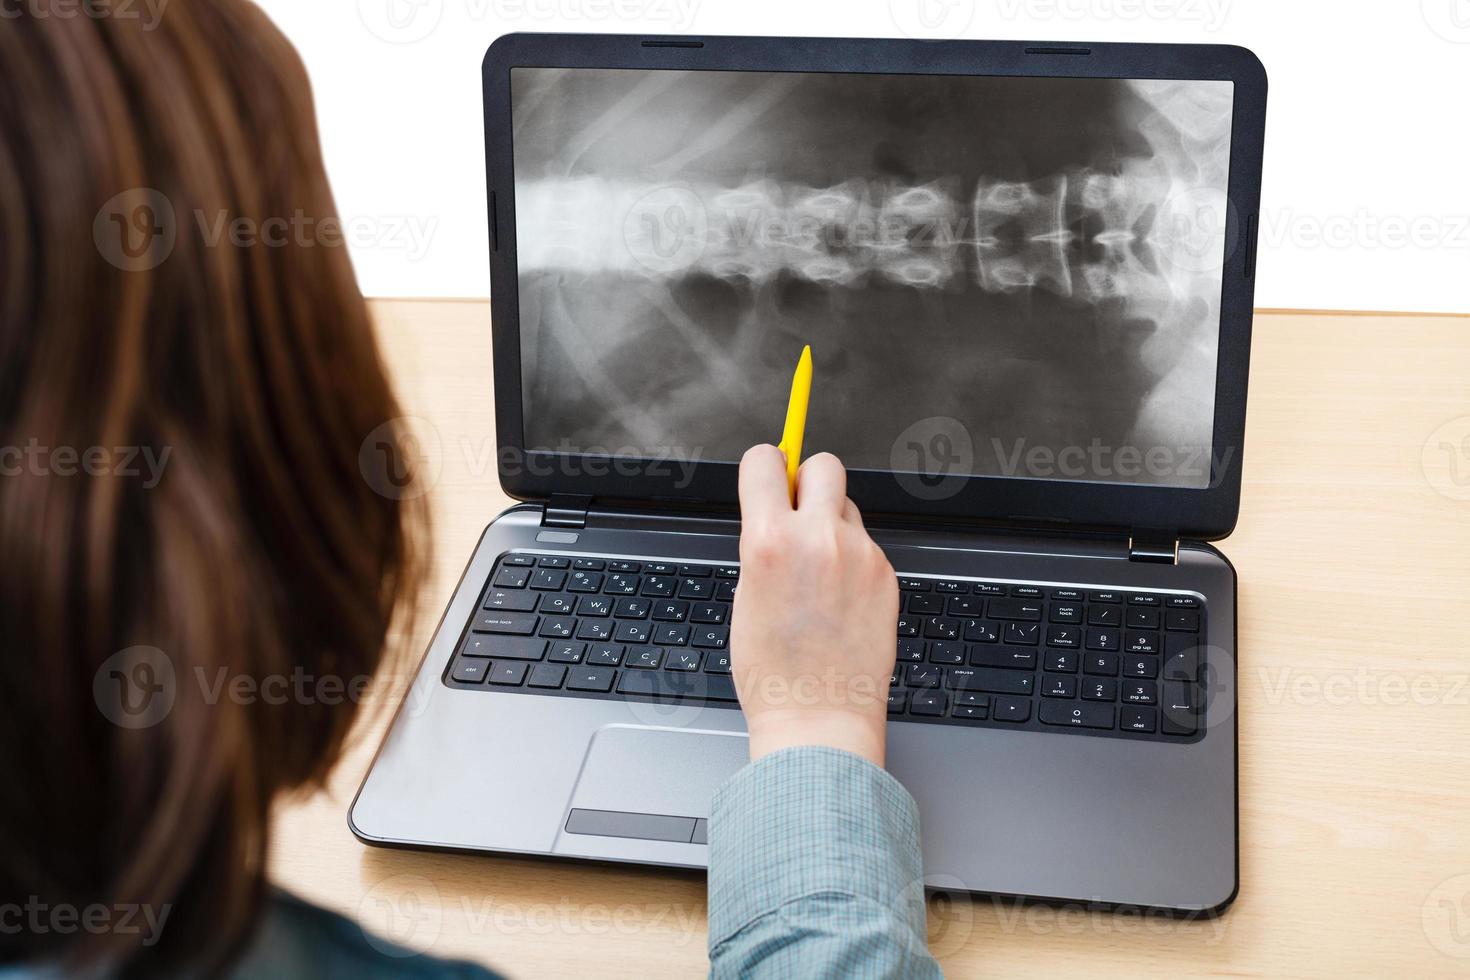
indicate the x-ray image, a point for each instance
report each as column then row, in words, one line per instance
column 1029, row 266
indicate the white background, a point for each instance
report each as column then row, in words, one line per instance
column 1365, row 199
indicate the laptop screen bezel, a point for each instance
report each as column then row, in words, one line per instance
column 1205, row 513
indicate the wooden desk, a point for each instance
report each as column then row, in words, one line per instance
column 1354, row 700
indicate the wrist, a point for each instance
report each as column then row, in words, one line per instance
column 847, row 730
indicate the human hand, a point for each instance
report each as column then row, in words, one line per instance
column 812, row 641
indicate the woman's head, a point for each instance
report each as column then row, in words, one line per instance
column 184, row 391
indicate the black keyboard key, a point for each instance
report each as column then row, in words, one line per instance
column 1141, row 642
column 1095, row 689
column 1023, row 633
column 522, row 560
column 910, row 649
column 645, row 658
column 510, row 624
column 632, row 632
column 897, row 700
column 1183, row 665
column 710, row 637
column 594, row 605
column 695, row 571
column 1103, row 639
column 1139, row 599
column 624, row 566
column 963, row 606
column 682, row 660
column 546, row 675
column 511, row 673
column 1181, row 620
column 989, row 588
column 1140, row 692
column 927, row 703
column 670, row 611
column 557, row 627
column 1066, row 612
column 1014, row 710
column 696, row 588
column 1137, row 720
column 727, row 571
column 1179, row 707
column 990, row 680
column 953, row 588
column 605, row 655
column 595, row 679
column 1104, row 615
column 926, row 604
column 511, row 600
column 1101, row 664
column 969, row 712
column 1181, row 602
column 595, row 629
column 671, row 635
column 589, row 564
column 548, row 579
column 663, row 685
column 558, row 605
column 909, row 625
column 973, row 698
column 1142, row 618
column 1028, row 591
column 981, row 631
column 512, row 578
column 553, row 561
column 565, row 653
column 1106, row 595
column 942, row 628
column 922, row 675
column 1135, row 666
column 1076, row 714
column 1009, row 658
column 1072, row 595
column 716, row 662
column 709, row 612
column 659, row 586
column 1058, row 686
column 632, row 608
column 1065, row 637
column 661, row 568
column 621, row 584
column 584, row 582
column 1060, row 661
column 1022, row 609
column 478, row 645
column 913, row 584
column 724, row 591
column 469, row 671
column 946, row 652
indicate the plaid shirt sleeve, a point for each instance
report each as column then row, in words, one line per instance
column 815, row 871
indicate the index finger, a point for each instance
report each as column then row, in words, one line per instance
column 764, row 493
column 821, row 485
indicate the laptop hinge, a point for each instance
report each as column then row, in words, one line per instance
column 566, row 510
column 1153, row 544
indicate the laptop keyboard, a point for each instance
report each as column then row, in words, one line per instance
column 1121, row 663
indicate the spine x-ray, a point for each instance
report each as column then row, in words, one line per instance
column 1026, row 266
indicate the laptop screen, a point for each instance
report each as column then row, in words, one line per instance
column 999, row 276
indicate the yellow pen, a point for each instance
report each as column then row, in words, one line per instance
column 801, row 394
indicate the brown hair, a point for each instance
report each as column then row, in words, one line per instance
column 181, row 497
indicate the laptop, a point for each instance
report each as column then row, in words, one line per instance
column 1025, row 272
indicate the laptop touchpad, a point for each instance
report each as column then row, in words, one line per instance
column 652, row 783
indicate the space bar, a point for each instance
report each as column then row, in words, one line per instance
column 659, row 684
